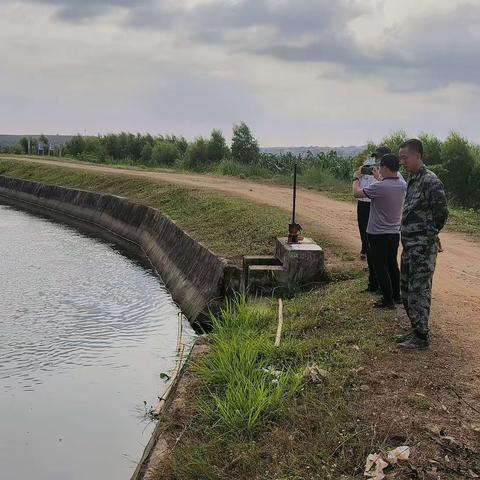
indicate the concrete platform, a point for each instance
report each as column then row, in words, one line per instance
column 292, row 266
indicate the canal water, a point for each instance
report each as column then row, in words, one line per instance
column 84, row 334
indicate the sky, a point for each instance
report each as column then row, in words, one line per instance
column 298, row 72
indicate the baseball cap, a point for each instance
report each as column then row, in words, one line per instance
column 380, row 152
column 391, row 161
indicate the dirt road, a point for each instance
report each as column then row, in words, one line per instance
column 456, row 297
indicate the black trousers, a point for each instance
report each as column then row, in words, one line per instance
column 383, row 252
column 363, row 212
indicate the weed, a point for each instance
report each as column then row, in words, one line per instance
column 419, row 403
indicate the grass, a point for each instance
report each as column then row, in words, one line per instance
column 257, row 405
column 464, row 221
column 244, row 391
column 420, row 403
column 313, row 177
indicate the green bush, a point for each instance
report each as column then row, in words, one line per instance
column 146, row 155
column 459, row 161
column 432, row 149
column 440, row 171
column 198, row 154
column 394, row 140
column 164, row 153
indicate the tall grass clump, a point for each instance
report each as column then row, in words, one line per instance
column 232, row 168
column 245, row 390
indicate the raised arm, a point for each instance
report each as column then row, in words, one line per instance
column 357, row 190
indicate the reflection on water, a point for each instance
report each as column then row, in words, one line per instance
column 84, row 334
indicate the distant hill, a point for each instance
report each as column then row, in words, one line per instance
column 342, row 151
column 10, row 140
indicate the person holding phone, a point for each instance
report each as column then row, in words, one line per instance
column 366, row 178
column 387, row 197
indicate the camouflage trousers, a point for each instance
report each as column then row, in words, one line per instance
column 416, row 275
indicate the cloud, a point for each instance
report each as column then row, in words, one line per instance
column 296, row 71
column 74, row 10
column 423, row 52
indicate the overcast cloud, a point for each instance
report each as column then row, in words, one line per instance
column 299, row 72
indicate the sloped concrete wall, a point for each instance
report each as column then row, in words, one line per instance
column 196, row 277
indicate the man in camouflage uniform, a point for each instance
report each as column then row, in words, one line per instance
column 424, row 214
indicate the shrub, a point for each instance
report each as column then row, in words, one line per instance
column 197, row 153
column 164, row 153
column 394, row 140
column 432, row 149
column 76, row 145
column 234, row 169
column 459, row 161
column 146, row 155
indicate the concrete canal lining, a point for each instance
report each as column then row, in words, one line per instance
column 196, row 278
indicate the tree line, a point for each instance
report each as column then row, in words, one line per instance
column 455, row 160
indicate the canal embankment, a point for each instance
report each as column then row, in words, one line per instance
column 197, row 278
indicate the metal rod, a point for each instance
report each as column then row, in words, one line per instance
column 294, row 191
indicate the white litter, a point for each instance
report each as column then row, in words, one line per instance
column 375, row 466
column 399, row 454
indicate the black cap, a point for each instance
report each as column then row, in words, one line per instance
column 391, row 161
column 380, row 152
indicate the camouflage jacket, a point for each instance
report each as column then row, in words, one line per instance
column 425, row 210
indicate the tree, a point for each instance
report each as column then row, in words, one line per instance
column 432, row 148
column 164, row 153
column 197, row 153
column 458, row 159
column 43, row 139
column 24, row 144
column 244, row 145
column 180, row 142
column 146, row 155
column 76, row 145
column 394, row 140
column 217, row 147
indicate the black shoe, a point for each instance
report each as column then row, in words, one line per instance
column 371, row 290
column 382, row 304
column 404, row 338
column 398, row 301
column 415, row 342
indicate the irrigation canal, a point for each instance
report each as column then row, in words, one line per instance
column 85, row 332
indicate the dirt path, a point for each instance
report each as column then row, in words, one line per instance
column 456, row 304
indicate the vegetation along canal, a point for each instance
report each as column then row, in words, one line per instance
column 84, row 334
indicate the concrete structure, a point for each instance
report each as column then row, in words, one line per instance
column 197, row 278
column 293, row 265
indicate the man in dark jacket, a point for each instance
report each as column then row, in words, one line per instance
column 424, row 215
